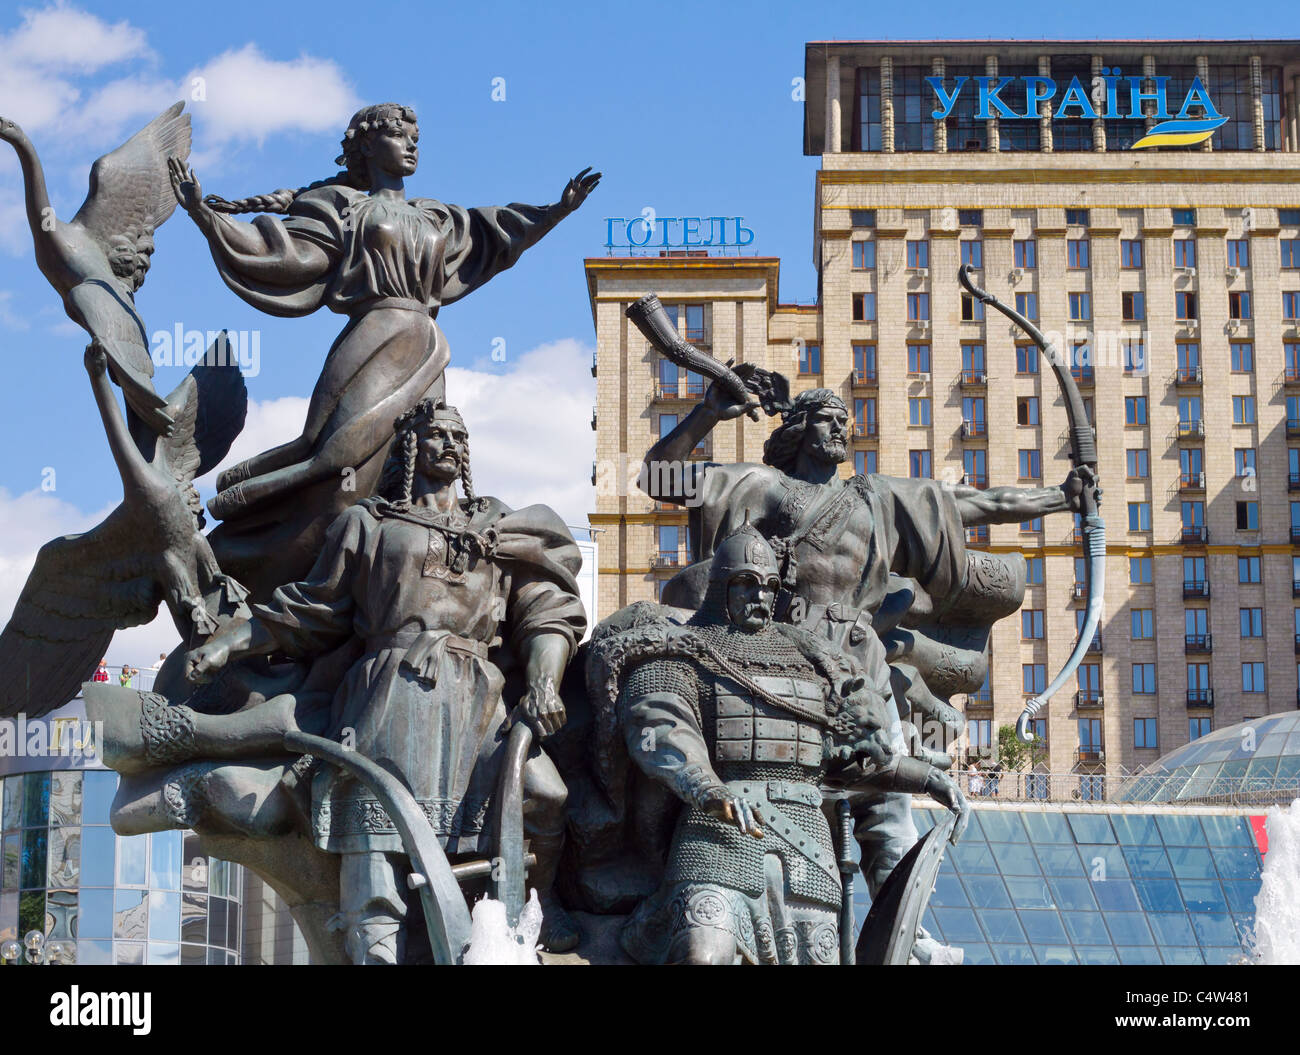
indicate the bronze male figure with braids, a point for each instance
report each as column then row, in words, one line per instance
column 449, row 600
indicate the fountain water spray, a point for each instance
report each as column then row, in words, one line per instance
column 1277, row 905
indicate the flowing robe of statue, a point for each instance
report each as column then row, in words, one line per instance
column 389, row 264
column 424, row 700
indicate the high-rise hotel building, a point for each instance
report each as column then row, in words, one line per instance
column 1169, row 273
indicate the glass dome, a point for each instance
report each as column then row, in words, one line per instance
column 1255, row 762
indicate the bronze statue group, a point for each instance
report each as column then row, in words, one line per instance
column 695, row 770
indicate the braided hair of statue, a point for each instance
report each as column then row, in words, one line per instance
column 397, row 479
column 379, row 118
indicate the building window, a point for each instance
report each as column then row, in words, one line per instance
column 1027, row 355
column 972, row 310
column 810, row 359
column 1247, row 516
column 1252, row 622
column 1130, row 253
column 972, row 253
column 669, row 542
column 1143, row 624
column 1239, row 305
column 1135, row 355
column 864, row 362
column 1139, row 516
column 918, row 307
column 864, row 256
column 1033, row 678
column 1076, row 253
column 1139, row 571
column 1144, row 732
column 1034, row 569
column 1288, row 217
column 1291, row 306
column 972, row 413
column 1238, row 252
column 918, row 358
column 1243, row 410
column 918, row 253
column 918, row 463
column 867, row 129
column 1197, row 728
column 975, row 466
column 1144, row 679
column 1244, row 460
column 918, row 410
column 667, row 422
column 1076, row 217
column 1134, row 306
column 1139, row 463
column 1252, row 677
column 1291, row 252
column 1026, row 410
column 864, row 307
column 1027, row 305
column 1080, row 306
column 1248, row 569
column 1135, row 410
column 864, row 417
column 1185, row 305
column 1031, row 624
column 1243, row 357
column 862, row 217
column 1184, row 252
column 913, row 102
column 1032, row 527
column 979, row 733
column 1184, row 217
column 864, row 462
column 970, row 218
column 1025, row 254
column 1031, row 465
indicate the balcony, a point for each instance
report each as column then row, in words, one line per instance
column 1188, row 375
column 1087, row 698
column 593, row 419
column 1295, row 534
column 1083, row 375
column 1191, row 482
column 702, row 450
column 593, row 474
column 669, row 558
column 1297, row 646
column 1066, row 437
column 1090, row 753
column 864, row 378
column 676, row 391
column 978, row 535
column 1193, row 429
column 1194, row 535
column 1295, row 587
column 1196, row 588
column 1291, row 375
column 978, row 480
column 983, row 698
column 865, row 429
column 1200, row 697
column 974, row 430
column 1293, row 426
column 1078, row 591
column 1095, row 644
column 1293, row 482
column 593, row 364
column 699, row 337
column 973, row 379
column 1198, row 643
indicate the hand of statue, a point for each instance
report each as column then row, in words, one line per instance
column 185, row 185
column 96, row 358
column 10, row 132
column 1075, row 484
column 724, row 405
column 721, row 802
column 943, row 789
column 543, row 709
column 577, row 189
column 206, row 660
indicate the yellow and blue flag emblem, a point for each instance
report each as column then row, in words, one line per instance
column 1180, row 133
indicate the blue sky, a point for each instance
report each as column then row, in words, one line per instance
column 685, row 107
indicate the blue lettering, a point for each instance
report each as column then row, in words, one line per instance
column 1198, row 96
column 610, row 221
column 989, row 96
column 690, row 231
column 1136, row 96
column 1075, row 96
column 1037, row 90
column 946, row 101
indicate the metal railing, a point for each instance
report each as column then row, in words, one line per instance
column 864, row 377
column 972, row 429
column 139, row 678
column 1114, row 783
column 1200, row 697
column 865, row 429
column 1187, row 375
column 1196, row 588
column 1198, row 642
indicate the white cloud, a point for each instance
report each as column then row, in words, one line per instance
column 530, row 435
column 268, row 424
column 8, row 318
column 119, row 109
column 60, row 37
column 247, row 96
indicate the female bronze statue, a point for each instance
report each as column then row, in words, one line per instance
column 355, row 244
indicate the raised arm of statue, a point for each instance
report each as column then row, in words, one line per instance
column 1010, row 505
